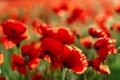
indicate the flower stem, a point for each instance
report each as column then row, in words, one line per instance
column 27, row 77
column 64, row 73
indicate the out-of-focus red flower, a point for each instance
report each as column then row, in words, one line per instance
column 24, row 18
column 31, row 50
column 1, row 58
column 97, row 32
column 64, row 7
column 86, row 42
column 102, row 17
column 101, row 20
column 19, row 64
column 59, row 33
column 116, row 27
column 2, row 78
column 14, row 14
column 13, row 33
column 77, row 14
column 75, row 60
column 30, row 58
column 117, row 8
column 32, row 53
column 37, row 76
column 35, row 24
column 105, row 46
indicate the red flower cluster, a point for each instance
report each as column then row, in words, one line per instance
column 28, row 61
column 103, row 47
column 55, row 43
column 61, row 34
column 13, row 32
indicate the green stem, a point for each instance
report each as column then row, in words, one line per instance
column 27, row 77
column 64, row 73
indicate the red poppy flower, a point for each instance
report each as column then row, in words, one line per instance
column 37, row 76
column 54, row 48
column 105, row 46
column 75, row 60
column 19, row 64
column 59, row 33
column 103, row 42
column 2, row 78
column 86, row 42
column 97, row 32
column 103, row 52
column 53, row 51
column 30, row 50
column 30, row 58
column 63, row 35
column 32, row 53
column 13, row 33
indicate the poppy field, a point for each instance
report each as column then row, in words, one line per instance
column 59, row 39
